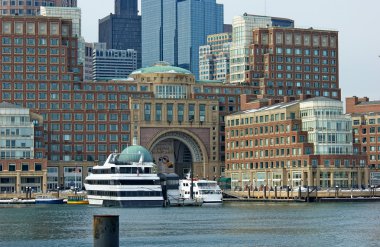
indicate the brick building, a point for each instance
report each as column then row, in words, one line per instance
column 294, row 62
column 366, row 127
column 84, row 122
column 38, row 48
column 298, row 143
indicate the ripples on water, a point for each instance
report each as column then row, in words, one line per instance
column 231, row 224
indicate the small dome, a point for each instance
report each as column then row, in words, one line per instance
column 133, row 154
column 161, row 67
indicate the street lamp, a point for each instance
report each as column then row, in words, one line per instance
column 336, row 191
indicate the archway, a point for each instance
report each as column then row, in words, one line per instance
column 178, row 150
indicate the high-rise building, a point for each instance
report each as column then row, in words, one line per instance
column 74, row 14
column 297, row 143
column 173, row 30
column 242, row 38
column 227, row 28
column 291, row 62
column 122, row 30
column 37, row 48
column 31, row 7
column 126, row 8
column 214, row 58
column 111, row 64
column 88, row 62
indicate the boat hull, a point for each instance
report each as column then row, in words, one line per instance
column 49, row 201
column 126, row 203
column 78, row 203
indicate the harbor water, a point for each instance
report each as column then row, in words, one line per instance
column 230, row 224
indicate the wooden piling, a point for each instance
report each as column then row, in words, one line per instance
column 106, row 231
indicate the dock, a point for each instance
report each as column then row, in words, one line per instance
column 303, row 195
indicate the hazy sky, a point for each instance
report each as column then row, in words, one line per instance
column 356, row 20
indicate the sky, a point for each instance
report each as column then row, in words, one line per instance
column 356, row 20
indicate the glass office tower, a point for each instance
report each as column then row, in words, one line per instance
column 173, row 30
column 122, row 30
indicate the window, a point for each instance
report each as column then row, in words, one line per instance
column 38, row 167
column 12, row 167
column 25, row 167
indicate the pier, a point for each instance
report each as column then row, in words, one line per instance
column 310, row 194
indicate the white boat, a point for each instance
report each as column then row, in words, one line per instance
column 127, row 179
column 172, row 196
column 206, row 190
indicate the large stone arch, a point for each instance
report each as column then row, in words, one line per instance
column 197, row 148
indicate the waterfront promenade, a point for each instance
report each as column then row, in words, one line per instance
column 61, row 194
column 303, row 194
column 281, row 195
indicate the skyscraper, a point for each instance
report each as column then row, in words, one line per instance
column 122, row 30
column 173, row 30
column 126, row 8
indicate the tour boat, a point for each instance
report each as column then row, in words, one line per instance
column 208, row 190
column 48, row 199
column 127, row 179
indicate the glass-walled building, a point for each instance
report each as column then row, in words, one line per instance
column 242, row 38
column 328, row 128
column 122, row 30
column 22, row 150
column 173, row 30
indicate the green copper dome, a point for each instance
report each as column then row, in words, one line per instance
column 161, row 67
column 133, row 154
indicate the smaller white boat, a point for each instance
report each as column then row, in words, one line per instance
column 47, row 199
column 170, row 188
column 206, row 190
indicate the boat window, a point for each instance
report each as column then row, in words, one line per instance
column 147, row 170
